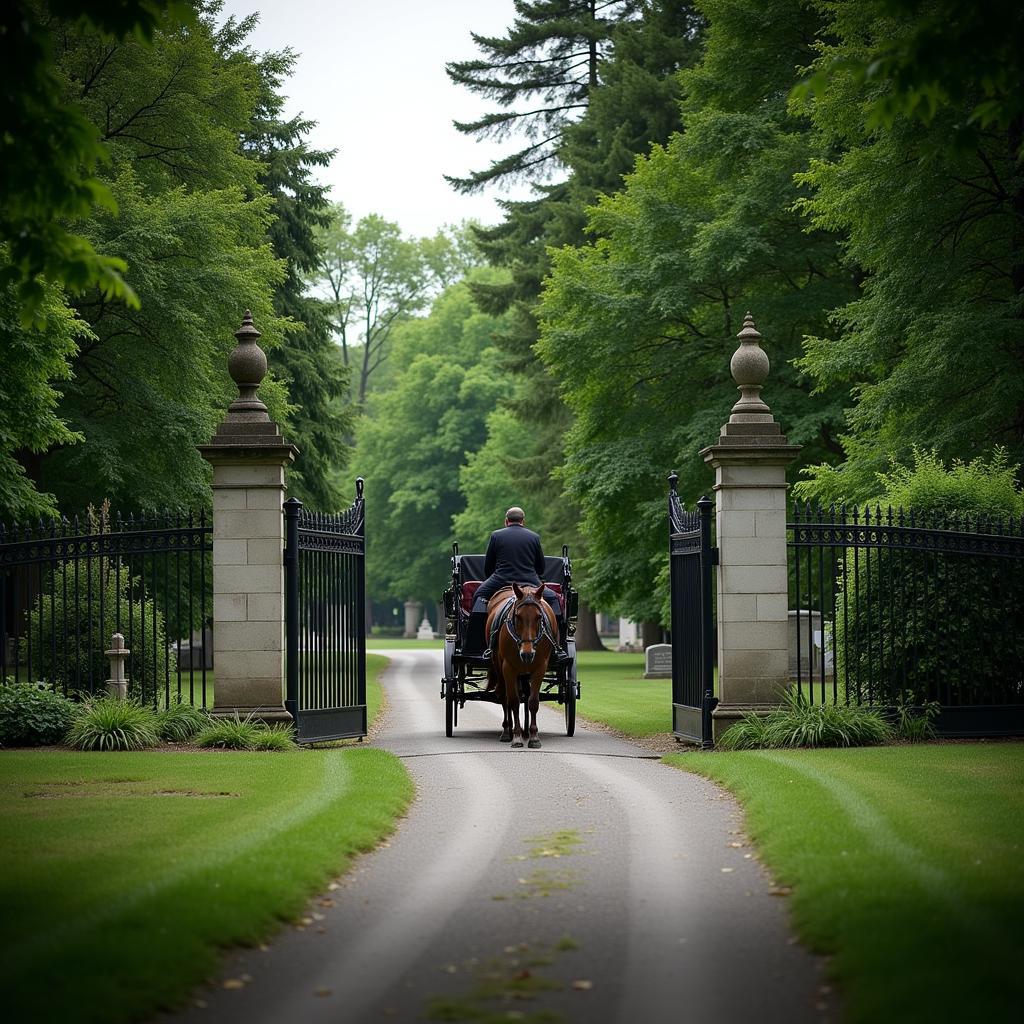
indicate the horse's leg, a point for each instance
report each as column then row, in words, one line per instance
column 512, row 702
column 493, row 680
column 535, row 683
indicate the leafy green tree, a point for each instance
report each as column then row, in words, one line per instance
column 50, row 151
column 192, row 223
column 921, row 172
column 415, row 436
column 377, row 279
column 639, row 325
column 30, row 361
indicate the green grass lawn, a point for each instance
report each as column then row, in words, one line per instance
column 122, row 876
column 613, row 691
column 907, row 867
column 379, row 643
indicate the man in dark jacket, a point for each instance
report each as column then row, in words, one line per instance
column 514, row 555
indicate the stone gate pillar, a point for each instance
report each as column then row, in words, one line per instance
column 750, row 460
column 249, row 457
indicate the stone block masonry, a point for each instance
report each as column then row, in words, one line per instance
column 249, row 459
column 750, row 460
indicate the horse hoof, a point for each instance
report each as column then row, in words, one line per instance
column 534, row 744
column 517, row 743
column 506, row 737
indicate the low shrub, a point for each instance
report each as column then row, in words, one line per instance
column 179, row 722
column 914, row 723
column 245, row 734
column 275, row 737
column 32, row 714
column 801, row 724
column 111, row 724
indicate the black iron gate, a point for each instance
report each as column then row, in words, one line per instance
column 325, row 639
column 691, row 558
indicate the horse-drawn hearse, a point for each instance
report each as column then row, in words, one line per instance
column 473, row 671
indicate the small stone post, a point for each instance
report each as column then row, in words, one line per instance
column 117, row 684
column 249, row 457
column 750, row 460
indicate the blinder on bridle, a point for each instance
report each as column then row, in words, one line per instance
column 543, row 631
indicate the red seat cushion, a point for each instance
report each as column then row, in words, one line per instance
column 469, row 589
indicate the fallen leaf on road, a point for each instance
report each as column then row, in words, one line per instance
column 582, row 985
column 736, row 846
column 323, row 992
column 780, row 890
column 233, row 983
column 726, row 871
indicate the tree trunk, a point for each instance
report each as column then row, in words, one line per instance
column 651, row 633
column 587, row 638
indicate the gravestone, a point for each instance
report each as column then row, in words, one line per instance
column 658, row 662
column 426, row 631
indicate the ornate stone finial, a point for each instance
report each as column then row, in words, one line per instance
column 749, row 368
column 247, row 365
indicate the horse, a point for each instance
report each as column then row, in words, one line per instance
column 526, row 629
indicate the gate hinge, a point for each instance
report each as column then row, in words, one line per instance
column 714, row 556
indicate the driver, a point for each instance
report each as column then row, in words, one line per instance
column 514, row 555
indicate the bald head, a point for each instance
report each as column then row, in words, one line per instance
column 515, row 515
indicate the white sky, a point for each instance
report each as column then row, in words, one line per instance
column 371, row 73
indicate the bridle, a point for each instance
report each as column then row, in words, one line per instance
column 543, row 631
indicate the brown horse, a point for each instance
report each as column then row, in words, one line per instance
column 520, row 654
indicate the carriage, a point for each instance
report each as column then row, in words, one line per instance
column 465, row 655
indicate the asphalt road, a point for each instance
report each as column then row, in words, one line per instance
column 584, row 880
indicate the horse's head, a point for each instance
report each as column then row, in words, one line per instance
column 527, row 622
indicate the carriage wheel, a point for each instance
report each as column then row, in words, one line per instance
column 449, row 708
column 567, row 685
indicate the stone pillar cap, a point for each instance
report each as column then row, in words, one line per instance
column 247, row 430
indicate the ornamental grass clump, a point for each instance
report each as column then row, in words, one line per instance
column 801, row 724
column 179, row 722
column 111, row 724
column 32, row 715
column 245, row 734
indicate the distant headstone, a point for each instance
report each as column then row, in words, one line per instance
column 658, row 662
column 426, row 631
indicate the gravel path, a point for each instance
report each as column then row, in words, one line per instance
column 585, row 880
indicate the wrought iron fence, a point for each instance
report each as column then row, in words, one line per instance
column 893, row 608
column 66, row 587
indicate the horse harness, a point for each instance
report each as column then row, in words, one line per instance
column 505, row 617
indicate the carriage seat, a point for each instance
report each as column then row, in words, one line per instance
column 469, row 589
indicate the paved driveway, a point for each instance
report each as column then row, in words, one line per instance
column 585, row 881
